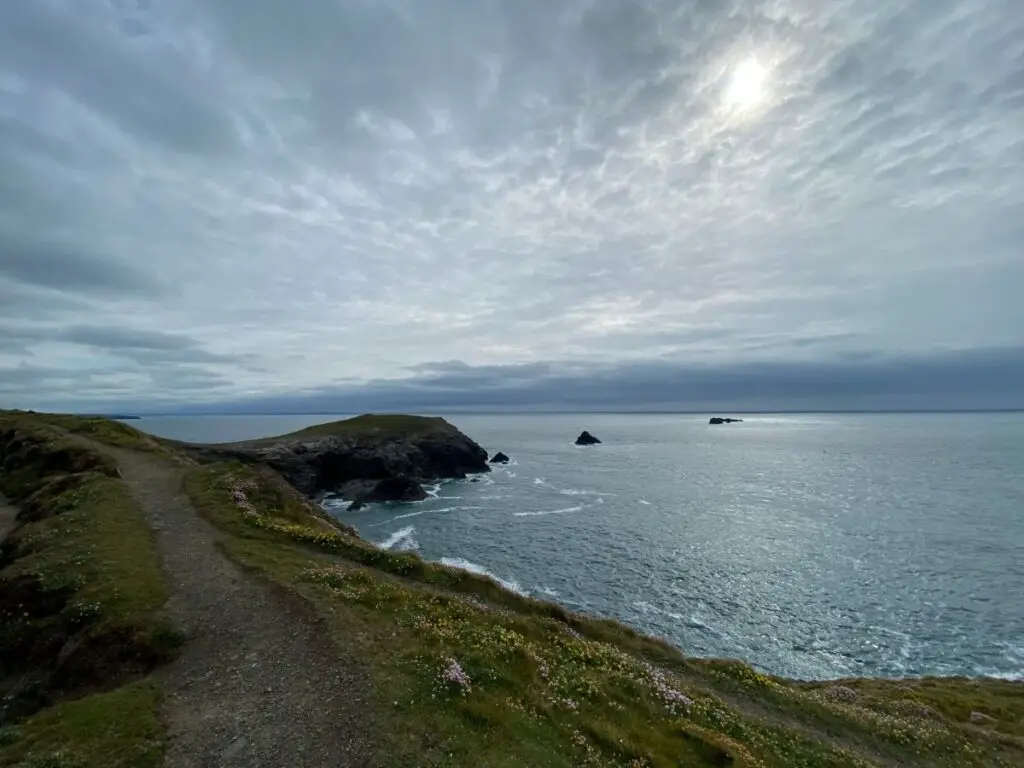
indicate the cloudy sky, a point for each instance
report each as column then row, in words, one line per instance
column 348, row 204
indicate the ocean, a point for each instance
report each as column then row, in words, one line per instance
column 812, row 546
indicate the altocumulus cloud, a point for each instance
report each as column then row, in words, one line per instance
column 389, row 203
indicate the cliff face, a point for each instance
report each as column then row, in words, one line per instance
column 351, row 457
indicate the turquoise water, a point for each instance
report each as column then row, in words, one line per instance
column 811, row 546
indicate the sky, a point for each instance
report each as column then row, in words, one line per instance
column 427, row 204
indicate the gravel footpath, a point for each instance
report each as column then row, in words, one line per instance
column 258, row 684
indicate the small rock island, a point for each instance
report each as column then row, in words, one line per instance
column 500, row 458
column 586, row 438
column 723, row 420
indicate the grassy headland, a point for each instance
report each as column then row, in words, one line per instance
column 466, row 673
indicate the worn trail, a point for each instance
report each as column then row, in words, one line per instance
column 258, row 682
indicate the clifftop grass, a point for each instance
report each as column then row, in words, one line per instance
column 81, row 595
column 469, row 674
column 118, row 729
column 398, row 425
column 101, row 429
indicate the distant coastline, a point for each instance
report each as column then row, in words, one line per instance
column 610, row 412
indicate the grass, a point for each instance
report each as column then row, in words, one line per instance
column 81, row 599
column 32, row 455
column 469, row 674
column 118, row 729
column 399, row 425
column 101, row 429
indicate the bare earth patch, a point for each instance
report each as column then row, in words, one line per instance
column 7, row 516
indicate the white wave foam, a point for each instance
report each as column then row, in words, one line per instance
column 539, row 481
column 512, row 474
column 549, row 591
column 421, row 512
column 645, row 502
column 465, row 565
column 574, row 492
column 401, row 539
column 412, row 514
column 548, row 512
column 432, row 490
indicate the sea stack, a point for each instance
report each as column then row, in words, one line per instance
column 500, row 458
column 586, row 438
column 721, row 420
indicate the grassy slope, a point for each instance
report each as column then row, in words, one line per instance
column 543, row 687
column 80, row 598
column 385, row 424
column 96, row 427
column 119, row 729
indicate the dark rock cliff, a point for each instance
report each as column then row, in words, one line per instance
column 347, row 456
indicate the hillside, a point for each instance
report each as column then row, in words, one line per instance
column 406, row 662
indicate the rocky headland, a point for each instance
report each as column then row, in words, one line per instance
column 365, row 459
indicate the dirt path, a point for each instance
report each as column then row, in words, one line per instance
column 7, row 516
column 258, row 684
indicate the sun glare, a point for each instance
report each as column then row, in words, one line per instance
column 746, row 87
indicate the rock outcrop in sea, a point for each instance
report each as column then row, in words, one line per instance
column 366, row 459
column 500, row 458
column 722, row 420
column 586, row 438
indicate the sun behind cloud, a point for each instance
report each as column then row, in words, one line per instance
column 747, row 84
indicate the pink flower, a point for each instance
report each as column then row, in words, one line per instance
column 454, row 673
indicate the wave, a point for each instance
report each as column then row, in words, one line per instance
column 645, row 502
column 413, row 514
column 548, row 512
column 334, row 502
column 419, row 512
column 401, row 539
column 574, row 492
column 465, row 565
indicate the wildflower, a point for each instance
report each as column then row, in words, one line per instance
column 840, row 693
column 673, row 700
column 453, row 673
